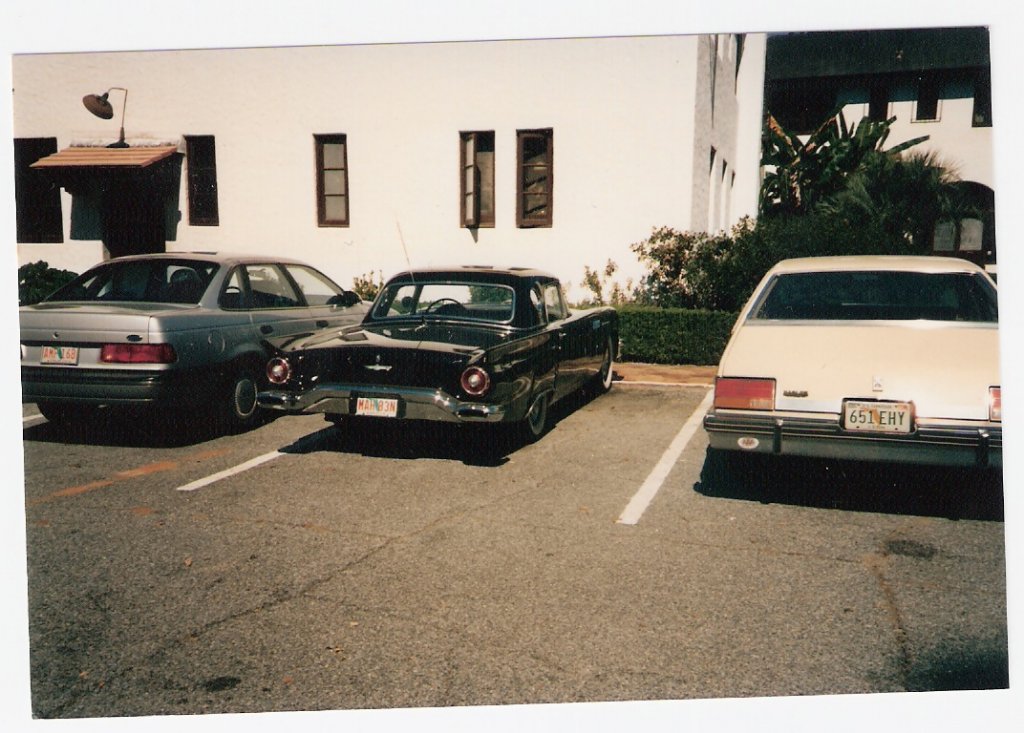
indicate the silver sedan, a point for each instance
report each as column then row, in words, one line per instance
column 178, row 330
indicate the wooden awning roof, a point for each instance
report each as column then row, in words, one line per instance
column 120, row 158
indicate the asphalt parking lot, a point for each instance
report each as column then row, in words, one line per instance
column 298, row 568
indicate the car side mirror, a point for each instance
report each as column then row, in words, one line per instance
column 345, row 299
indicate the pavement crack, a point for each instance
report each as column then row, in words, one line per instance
column 877, row 564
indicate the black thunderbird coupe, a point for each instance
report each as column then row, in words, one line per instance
column 459, row 345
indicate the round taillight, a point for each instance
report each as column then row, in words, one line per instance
column 475, row 381
column 278, row 370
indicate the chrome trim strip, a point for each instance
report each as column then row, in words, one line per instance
column 419, row 403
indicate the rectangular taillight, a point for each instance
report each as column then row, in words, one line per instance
column 745, row 394
column 137, row 354
column 995, row 404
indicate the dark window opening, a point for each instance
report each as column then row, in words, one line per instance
column 37, row 197
column 878, row 103
column 332, row 194
column 982, row 99
column 477, row 179
column 201, row 155
column 927, row 99
column 535, row 178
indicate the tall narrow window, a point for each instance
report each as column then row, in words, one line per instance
column 201, row 157
column 878, row 102
column 927, row 109
column 535, row 202
column 477, row 179
column 982, row 116
column 37, row 198
column 332, row 180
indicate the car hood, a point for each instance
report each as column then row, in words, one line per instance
column 945, row 369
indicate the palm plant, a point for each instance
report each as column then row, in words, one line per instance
column 800, row 174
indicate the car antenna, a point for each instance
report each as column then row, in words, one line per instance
column 412, row 278
column 405, row 250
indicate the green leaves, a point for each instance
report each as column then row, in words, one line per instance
column 802, row 174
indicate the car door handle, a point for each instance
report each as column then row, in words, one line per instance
column 266, row 329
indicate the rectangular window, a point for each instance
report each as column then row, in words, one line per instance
column 982, row 99
column 534, row 155
column 878, row 103
column 331, row 180
column 927, row 108
column 477, row 179
column 36, row 196
column 201, row 155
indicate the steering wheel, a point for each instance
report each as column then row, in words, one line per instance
column 430, row 308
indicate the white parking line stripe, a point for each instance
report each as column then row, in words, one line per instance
column 258, row 460
column 643, row 497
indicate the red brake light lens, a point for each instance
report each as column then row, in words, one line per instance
column 279, row 370
column 745, row 394
column 138, row 354
column 475, row 381
column 995, row 404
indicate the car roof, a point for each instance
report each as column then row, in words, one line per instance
column 902, row 263
column 483, row 272
column 223, row 258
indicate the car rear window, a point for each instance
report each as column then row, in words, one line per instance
column 473, row 301
column 140, row 281
column 878, row 296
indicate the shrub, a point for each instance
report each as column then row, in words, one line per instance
column 36, row 280
column 720, row 271
column 673, row 335
column 367, row 286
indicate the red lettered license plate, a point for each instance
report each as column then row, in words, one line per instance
column 377, row 406
column 878, row 417
column 59, row 355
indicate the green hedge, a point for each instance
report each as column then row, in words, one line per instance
column 673, row 335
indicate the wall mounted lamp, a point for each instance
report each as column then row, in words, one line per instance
column 99, row 106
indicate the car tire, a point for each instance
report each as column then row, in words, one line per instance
column 238, row 407
column 606, row 374
column 535, row 424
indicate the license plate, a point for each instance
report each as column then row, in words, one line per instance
column 377, row 406
column 59, row 355
column 878, row 417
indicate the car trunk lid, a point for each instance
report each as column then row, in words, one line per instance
column 411, row 354
column 944, row 369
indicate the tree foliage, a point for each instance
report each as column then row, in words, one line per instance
column 839, row 192
column 36, row 280
column 800, row 174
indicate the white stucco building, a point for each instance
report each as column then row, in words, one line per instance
column 556, row 154
column 934, row 83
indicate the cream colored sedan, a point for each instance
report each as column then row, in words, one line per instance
column 868, row 358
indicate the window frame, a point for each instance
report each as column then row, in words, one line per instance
column 475, row 184
column 523, row 220
column 322, row 218
column 201, row 165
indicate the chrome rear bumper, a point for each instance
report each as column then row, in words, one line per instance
column 413, row 403
column 949, row 443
